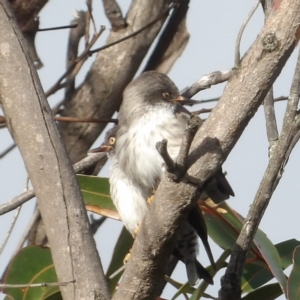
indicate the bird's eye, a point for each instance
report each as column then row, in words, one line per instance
column 112, row 140
column 166, row 96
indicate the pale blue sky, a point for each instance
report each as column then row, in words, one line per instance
column 213, row 25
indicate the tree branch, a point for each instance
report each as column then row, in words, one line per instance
column 82, row 165
column 75, row 36
column 269, row 110
column 237, row 55
column 212, row 144
column 206, row 81
column 172, row 40
column 267, row 186
column 114, row 14
column 31, row 124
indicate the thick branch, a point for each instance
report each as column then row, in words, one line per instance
column 31, row 124
column 271, row 178
column 114, row 14
column 172, row 40
column 212, row 144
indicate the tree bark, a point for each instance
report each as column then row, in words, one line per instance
column 32, row 126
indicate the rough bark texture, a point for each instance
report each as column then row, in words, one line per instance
column 244, row 93
column 32, row 126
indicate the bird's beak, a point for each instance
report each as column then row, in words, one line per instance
column 102, row 148
column 184, row 100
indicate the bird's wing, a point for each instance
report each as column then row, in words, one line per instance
column 218, row 188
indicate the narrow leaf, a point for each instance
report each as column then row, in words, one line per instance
column 32, row 264
column 95, row 192
column 294, row 280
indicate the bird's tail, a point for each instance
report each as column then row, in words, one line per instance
column 186, row 250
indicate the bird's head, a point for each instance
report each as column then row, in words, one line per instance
column 153, row 89
column 108, row 144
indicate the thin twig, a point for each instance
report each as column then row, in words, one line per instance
column 121, row 269
column 237, row 56
column 58, row 27
column 72, row 119
column 58, row 85
column 161, row 147
column 75, row 36
column 136, row 32
column 35, row 216
column 7, row 150
column 33, row 285
column 202, row 111
column 89, row 17
column 207, row 81
column 85, row 120
column 14, row 220
column 78, row 167
column 12, row 225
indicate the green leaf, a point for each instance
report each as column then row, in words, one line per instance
column 255, row 274
column 271, row 256
column 267, row 292
column 224, row 225
column 32, row 264
column 95, row 192
column 294, row 279
column 285, row 250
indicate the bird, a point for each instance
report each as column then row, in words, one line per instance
column 151, row 111
column 132, row 206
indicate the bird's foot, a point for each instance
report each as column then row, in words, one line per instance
column 127, row 257
column 150, row 199
column 136, row 230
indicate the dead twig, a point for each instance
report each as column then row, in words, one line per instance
column 237, row 55
column 207, row 81
column 73, row 70
column 162, row 15
column 85, row 163
column 59, row 27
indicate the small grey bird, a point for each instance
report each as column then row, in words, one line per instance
column 132, row 207
column 150, row 112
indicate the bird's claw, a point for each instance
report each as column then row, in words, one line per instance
column 150, row 199
column 127, row 257
column 136, row 230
